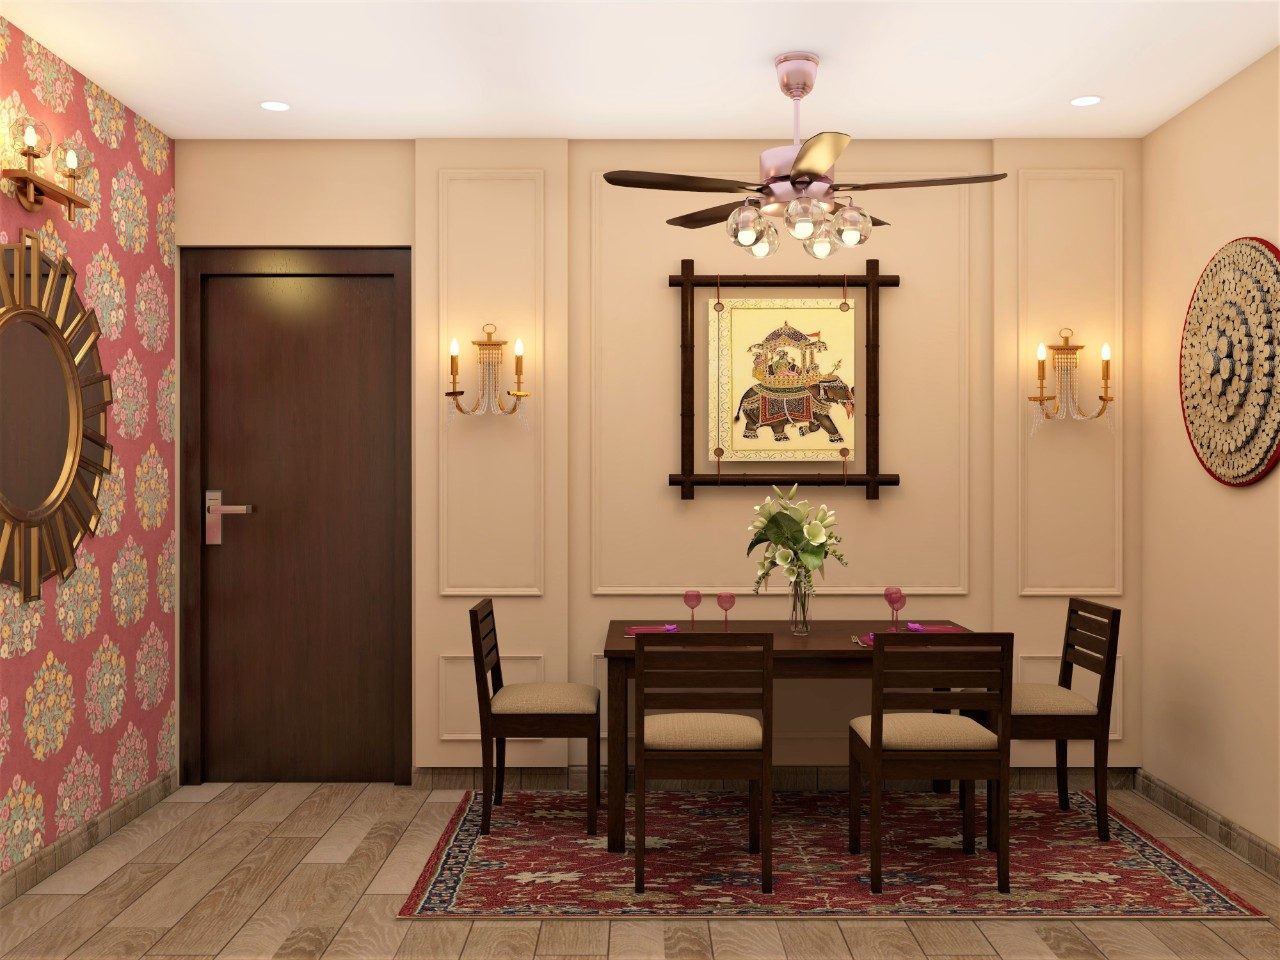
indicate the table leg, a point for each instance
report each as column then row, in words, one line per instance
column 617, row 755
column 941, row 786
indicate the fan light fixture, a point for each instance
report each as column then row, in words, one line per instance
column 1089, row 100
column 275, row 106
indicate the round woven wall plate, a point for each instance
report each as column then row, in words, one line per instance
column 1228, row 363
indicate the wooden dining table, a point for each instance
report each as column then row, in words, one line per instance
column 828, row 652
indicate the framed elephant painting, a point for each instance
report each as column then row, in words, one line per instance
column 780, row 384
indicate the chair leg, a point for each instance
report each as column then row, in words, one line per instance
column 502, row 771
column 1002, row 851
column 991, row 815
column 593, row 778
column 967, row 815
column 876, row 790
column 753, row 817
column 639, row 829
column 855, row 800
column 766, row 829
column 486, row 756
column 1060, row 757
column 1100, row 782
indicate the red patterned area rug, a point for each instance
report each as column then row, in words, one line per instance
column 538, row 862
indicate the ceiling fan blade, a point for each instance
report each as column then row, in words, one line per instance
column 877, row 222
column 819, row 154
column 705, row 218
column 677, row 181
column 940, row 182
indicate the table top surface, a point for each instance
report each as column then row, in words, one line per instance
column 827, row 638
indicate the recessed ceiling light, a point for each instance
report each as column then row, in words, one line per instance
column 276, row 106
column 1086, row 101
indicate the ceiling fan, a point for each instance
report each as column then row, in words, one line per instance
column 797, row 184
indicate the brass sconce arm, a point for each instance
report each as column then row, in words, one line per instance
column 488, row 399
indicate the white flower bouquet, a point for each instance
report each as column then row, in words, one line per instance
column 799, row 540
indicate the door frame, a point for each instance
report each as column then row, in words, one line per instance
column 196, row 264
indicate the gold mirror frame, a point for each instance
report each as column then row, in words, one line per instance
column 38, row 543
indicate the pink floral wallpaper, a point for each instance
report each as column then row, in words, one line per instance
column 87, row 672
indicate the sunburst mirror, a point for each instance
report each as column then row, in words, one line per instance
column 53, row 417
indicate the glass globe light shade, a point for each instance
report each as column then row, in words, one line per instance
column 822, row 244
column 73, row 159
column 768, row 243
column 852, row 226
column 804, row 214
column 746, row 225
column 29, row 136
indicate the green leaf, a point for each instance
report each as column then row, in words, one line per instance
column 780, row 529
column 812, row 558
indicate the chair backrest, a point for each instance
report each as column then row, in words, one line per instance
column 484, row 652
column 955, row 671
column 705, row 671
column 1089, row 641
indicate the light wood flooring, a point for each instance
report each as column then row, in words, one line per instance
column 319, row 870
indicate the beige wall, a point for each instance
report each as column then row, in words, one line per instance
column 568, row 519
column 1211, row 555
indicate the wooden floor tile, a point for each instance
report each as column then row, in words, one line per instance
column 1067, row 941
column 280, row 800
column 165, row 903
column 453, row 797
column 1125, row 940
column 746, row 940
column 103, row 859
column 880, row 940
column 339, row 842
column 573, row 938
column 1192, row 940
column 686, row 940
column 280, row 915
column 196, row 793
column 64, row 934
column 24, row 916
column 118, row 943
column 501, row 940
column 950, row 938
column 1016, row 940
column 209, row 925
column 316, row 814
column 1148, row 816
column 402, row 869
column 371, row 932
column 1252, row 939
column 636, row 940
column 183, row 840
column 1225, row 867
column 812, row 940
column 387, row 801
column 434, row 940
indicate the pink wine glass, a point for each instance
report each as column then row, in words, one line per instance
column 896, row 600
column 725, row 602
column 691, row 600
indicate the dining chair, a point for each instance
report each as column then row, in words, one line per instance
column 921, row 674
column 527, row 710
column 699, row 674
column 1048, row 711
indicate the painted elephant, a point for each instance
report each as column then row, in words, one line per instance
column 809, row 410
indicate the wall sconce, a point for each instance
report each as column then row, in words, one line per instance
column 1065, row 403
column 489, row 355
column 31, row 139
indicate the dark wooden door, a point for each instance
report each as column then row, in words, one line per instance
column 295, row 400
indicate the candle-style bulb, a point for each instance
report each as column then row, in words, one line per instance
column 453, row 347
column 1041, row 352
column 73, row 161
column 1106, row 351
column 519, row 347
column 29, row 137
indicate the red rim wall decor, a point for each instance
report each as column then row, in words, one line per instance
column 1228, row 363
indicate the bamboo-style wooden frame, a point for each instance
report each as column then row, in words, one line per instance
column 872, row 479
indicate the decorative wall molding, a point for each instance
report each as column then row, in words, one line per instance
column 456, row 671
column 1044, row 669
column 1119, row 385
column 961, row 585
column 533, row 406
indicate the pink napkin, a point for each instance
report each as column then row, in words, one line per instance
column 869, row 639
column 651, row 628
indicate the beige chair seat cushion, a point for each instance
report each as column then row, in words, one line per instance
column 546, row 698
column 1049, row 699
column 702, row 731
column 928, row 731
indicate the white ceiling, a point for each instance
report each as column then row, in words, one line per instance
column 626, row 69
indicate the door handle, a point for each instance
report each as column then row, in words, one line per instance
column 214, row 511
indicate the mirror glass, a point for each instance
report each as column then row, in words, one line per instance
column 34, row 416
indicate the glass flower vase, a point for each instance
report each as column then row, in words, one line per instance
column 801, row 595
